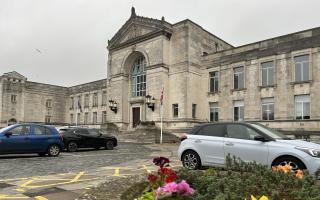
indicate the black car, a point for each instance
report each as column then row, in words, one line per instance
column 75, row 138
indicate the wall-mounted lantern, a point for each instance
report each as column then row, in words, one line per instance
column 113, row 105
column 150, row 101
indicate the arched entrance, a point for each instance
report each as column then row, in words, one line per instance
column 135, row 67
column 12, row 121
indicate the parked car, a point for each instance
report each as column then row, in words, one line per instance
column 209, row 144
column 76, row 138
column 30, row 138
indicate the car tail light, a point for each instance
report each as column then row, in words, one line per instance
column 183, row 137
column 61, row 136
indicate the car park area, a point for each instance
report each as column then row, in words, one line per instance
column 70, row 174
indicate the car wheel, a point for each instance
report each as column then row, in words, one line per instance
column 109, row 145
column 292, row 161
column 42, row 154
column 72, row 146
column 191, row 160
column 53, row 150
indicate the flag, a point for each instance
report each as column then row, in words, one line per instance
column 161, row 97
column 79, row 105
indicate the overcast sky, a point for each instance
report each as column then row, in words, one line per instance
column 63, row 42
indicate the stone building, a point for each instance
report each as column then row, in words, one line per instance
column 203, row 78
column 26, row 101
column 274, row 82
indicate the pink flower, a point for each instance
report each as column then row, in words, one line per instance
column 170, row 188
column 158, row 193
column 184, row 188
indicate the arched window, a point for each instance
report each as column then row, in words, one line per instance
column 139, row 77
column 12, row 121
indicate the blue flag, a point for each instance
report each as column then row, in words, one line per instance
column 79, row 105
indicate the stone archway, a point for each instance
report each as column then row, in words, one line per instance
column 12, row 121
column 134, row 67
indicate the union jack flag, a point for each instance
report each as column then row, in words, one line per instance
column 161, row 97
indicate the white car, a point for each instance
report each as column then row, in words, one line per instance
column 209, row 144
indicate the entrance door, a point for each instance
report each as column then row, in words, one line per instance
column 135, row 116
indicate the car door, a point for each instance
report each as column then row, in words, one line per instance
column 240, row 142
column 96, row 139
column 209, row 144
column 83, row 137
column 18, row 141
column 40, row 138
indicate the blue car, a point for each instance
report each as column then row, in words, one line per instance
column 30, row 138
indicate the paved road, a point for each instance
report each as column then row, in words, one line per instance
column 69, row 175
column 33, row 165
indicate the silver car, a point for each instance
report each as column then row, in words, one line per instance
column 209, row 144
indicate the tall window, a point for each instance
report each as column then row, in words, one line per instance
column 238, row 111
column 95, row 100
column 49, row 103
column 175, row 110
column 86, row 118
column 94, row 117
column 214, row 81
column 71, row 119
column 14, row 98
column 139, row 77
column 267, row 73
column 104, row 98
column 71, row 103
column 194, row 110
column 104, row 116
column 47, row 119
column 214, row 111
column 302, row 104
column 238, row 78
column 301, row 68
column 86, row 100
column 267, row 106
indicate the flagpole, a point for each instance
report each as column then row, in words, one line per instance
column 161, row 115
column 77, row 117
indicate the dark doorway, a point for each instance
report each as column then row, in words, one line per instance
column 135, row 116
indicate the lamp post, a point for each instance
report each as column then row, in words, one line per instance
column 113, row 105
column 150, row 102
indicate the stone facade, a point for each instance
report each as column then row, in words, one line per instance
column 26, row 101
column 179, row 58
column 203, row 78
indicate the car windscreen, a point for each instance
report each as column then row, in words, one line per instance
column 6, row 128
column 270, row 132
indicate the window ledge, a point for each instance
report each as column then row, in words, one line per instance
column 238, row 90
column 301, row 82
column 213, row 93
column 267, row 86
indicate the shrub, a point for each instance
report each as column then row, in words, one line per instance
column 240, row 180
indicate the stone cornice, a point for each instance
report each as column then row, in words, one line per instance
column 138, row 39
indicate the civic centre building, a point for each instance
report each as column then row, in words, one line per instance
column 202, row 77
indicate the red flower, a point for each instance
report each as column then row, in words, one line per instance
column 160, row 161
column 172, row 177
column 152, row 178
column 165, row 170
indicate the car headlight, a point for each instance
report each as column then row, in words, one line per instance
column 311, row 152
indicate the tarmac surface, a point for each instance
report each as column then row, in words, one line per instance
column 71, row 174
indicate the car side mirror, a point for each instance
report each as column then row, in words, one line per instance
column 260, row 138
column 8, row 134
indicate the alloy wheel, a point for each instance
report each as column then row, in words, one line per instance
column 72, row 147
column 190, row 160
column 54, row 150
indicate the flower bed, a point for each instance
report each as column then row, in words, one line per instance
column 238, row 181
